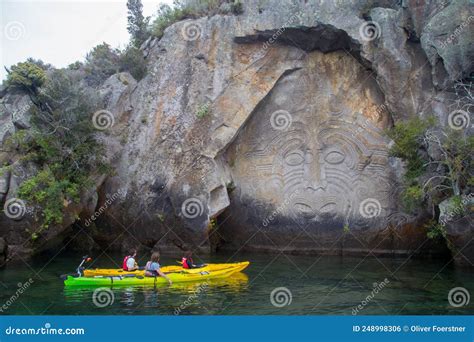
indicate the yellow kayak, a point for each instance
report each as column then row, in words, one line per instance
column 166, row 269
column 178, row 277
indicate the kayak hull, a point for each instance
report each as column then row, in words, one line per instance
column 166, row 269
column 177, row 277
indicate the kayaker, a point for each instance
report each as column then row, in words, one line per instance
column 152, row 268
column 129, row 263
column 187, row 260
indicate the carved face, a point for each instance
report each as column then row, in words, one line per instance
column 322, row 165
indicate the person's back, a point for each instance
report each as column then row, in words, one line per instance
column 129, row 263
column 152, row 268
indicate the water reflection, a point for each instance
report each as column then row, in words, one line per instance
column 150, row 296
column 319, row 285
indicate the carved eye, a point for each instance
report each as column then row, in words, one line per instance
column 334, row 157
column 303, row 208
column 328, row 208
column 294, row 158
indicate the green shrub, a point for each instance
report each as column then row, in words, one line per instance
column 62, row 144
column 166, row 16
column 346, row 229
column 412, row 197
column 101, row 63
column 408, row 138
column 434, row 176
column 26, row 76
column 237, row 7
column 132, row 60
column 203, row 111
column 435, row 230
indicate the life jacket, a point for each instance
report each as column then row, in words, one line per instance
column 185, row 261
column 124, row 265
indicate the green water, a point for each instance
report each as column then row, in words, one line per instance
column 318, row 286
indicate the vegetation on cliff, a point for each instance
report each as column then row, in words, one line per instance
column 61, row 144
column 438, row 162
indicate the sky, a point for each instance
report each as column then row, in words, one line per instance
column 61, row 32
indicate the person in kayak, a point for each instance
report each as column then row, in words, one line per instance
column 187, row 260
column 129, row 263
column 152, row 268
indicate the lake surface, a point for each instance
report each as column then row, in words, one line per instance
column 316, row 285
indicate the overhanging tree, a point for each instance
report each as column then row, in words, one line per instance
column 137, row 23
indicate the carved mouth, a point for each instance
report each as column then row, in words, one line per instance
column 324, row 210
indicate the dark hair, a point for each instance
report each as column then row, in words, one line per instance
column 155, row 257
column 188, row 254
column 132, row 251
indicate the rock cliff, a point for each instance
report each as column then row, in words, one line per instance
column 270, row 124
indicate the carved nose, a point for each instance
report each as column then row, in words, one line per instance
column 313, row 173
column 313, row 185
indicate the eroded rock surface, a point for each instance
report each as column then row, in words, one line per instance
column 272, row 122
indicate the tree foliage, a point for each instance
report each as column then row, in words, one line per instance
column 182, row 9
column 26, row 76
column 137, row 23
column 132, row 60
column 101, row 63
column 438, row 161
column 62, row 144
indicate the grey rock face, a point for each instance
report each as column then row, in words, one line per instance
column 272, row 122
column 458, row 224
column 3, row 252
column 447, row 41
